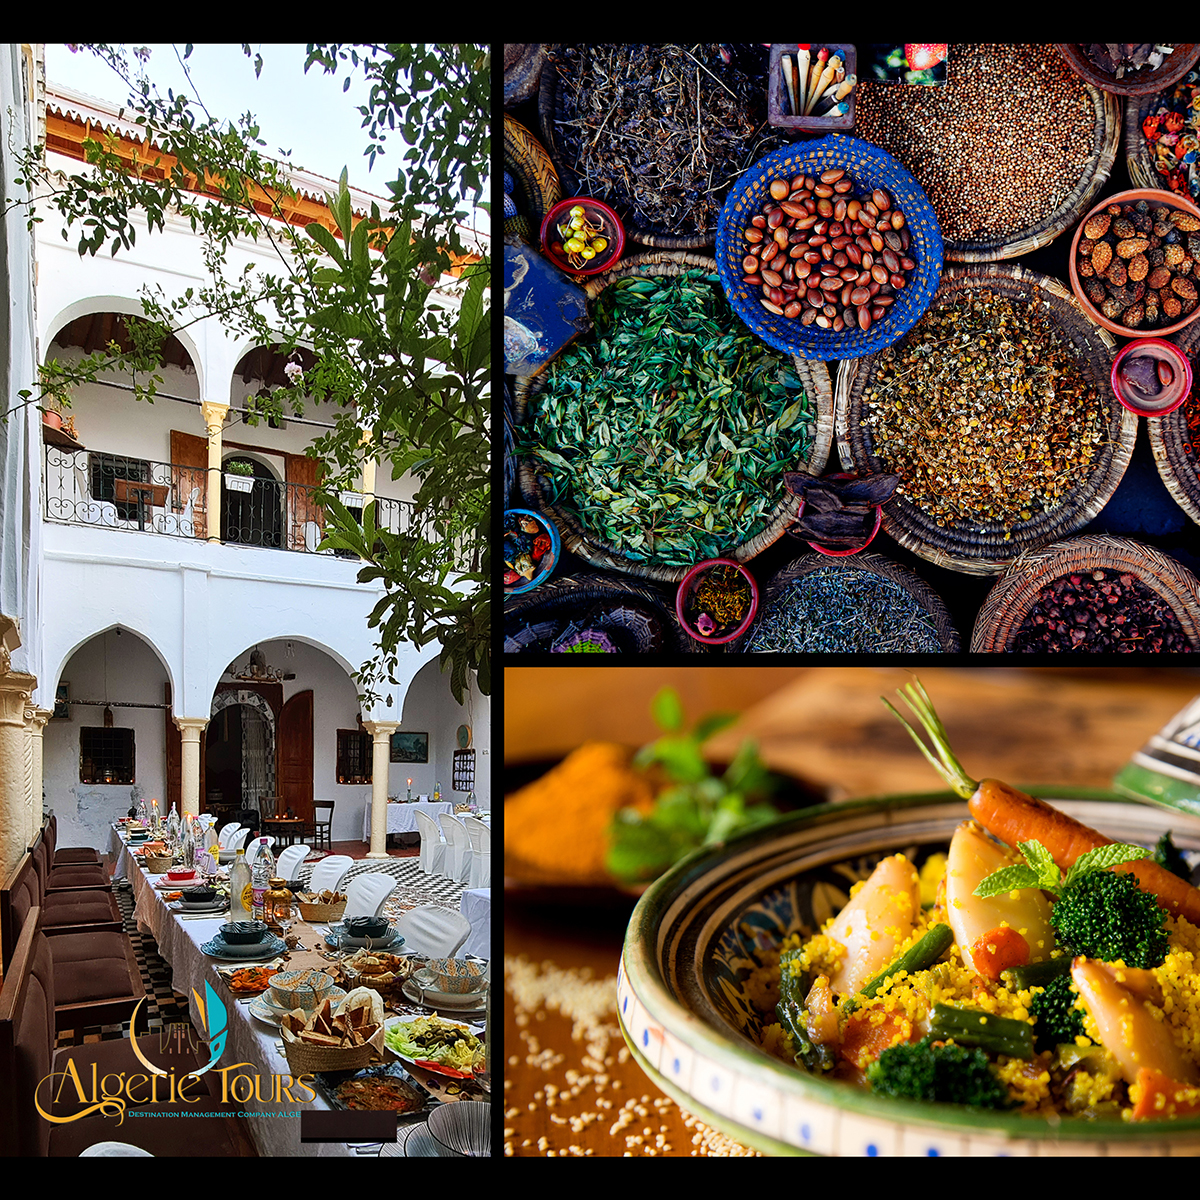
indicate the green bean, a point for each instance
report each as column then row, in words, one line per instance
column 920, row 956
column 970, row 1027
column 1036, row 974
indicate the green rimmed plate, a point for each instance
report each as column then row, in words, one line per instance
column 699, row 932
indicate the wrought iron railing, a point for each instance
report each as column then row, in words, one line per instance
column 120, row 492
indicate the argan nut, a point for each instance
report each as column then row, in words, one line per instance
column 779, row 189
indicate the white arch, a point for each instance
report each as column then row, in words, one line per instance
column 53, row 676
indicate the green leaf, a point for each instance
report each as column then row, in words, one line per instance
column 667, row 710
column 1008, row 879
column 1104, row 857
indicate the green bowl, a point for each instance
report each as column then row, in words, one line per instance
column 699, row 932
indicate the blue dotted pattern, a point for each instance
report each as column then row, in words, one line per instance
column 871, row 167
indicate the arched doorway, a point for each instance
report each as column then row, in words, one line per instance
column 253, row 517
column 240, row 759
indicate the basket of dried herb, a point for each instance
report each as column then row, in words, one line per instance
column 660, row 132
column 997, row 413
column 1091, row 594
column 662, row 437
column 1162, row 138
column 1010, row 150
column 1175, row 438
column 635, row 615
column 864, row 605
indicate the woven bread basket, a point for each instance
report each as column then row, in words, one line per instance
column 316, row 913
column 984, row 549
column 1180, row 472
column 1017, row 590
column 1138, row 83
column 304, row 1058
column 158, row 864
column 538, row 188
column 550, row 110
column 1139, row 157
column 640, row 610
column 1039, row 231
column 780, row 583
column 538, row 495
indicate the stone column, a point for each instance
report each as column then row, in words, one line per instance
column 35, row 719
column 381, row 732
column 214, row 417
column 190, row 728
column 16, row 690
column 368, row 471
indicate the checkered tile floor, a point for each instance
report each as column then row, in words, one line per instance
column 164, row 1008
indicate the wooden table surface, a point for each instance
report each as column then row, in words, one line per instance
column 570, row 1087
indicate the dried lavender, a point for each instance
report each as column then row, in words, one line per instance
column 845, row 610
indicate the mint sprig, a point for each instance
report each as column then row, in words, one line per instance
column 1041, row 871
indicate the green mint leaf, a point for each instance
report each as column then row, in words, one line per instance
column 1041, row 860
column 1104, row 857
column 667, row 710
column 1008, row 879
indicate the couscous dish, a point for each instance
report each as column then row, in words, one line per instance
column 1036, row 967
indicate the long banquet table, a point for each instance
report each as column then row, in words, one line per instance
column 275, row 1129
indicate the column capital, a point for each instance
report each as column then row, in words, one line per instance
column 214, row 413
column 191, row 727
column 375, row 728
column 16, row 690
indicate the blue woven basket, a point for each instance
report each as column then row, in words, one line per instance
column 871, row 168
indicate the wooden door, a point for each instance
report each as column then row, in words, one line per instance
column 301, row 474
column 174, row 756
column 189, row 479
column 295, row 744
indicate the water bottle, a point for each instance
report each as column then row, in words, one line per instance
column 240, row 892
column 261, row 873
column 437, row 792
column 143, row 813
column 173, row 825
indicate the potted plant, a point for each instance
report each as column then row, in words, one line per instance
column 239, row 476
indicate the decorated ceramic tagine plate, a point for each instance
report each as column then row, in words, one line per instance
column 704, row 941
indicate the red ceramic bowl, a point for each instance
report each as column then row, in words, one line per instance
column 595, row 210
column 844, row 553
column 685, row 589
column 1171, row 200
column 178, row 873
column 1157, row 348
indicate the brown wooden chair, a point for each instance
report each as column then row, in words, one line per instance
column 70, row 876
column 319, row 832
column 28, row 1002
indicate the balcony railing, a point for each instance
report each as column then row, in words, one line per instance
column 118, row 492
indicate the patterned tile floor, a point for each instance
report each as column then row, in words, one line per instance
column 164, row 1009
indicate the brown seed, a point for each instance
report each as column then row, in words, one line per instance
column 773, row 308
column 1101, row 257
column 1165, row 375
column 1128, row 247
column 1117, row 274
column 1097, row 226
column 1160, row 277
column 832, row 175
column 1184, row 221
column 1139, row 267
column 779, row 189
column 1185, row 289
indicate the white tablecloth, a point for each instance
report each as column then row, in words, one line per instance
column 477, row 908
column 402, row 818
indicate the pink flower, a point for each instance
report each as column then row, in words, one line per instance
column 705, row 625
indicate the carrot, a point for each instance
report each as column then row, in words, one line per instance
column 1014, row 817
column 869, row 1033
column 998, row 950
column 1161, row 1096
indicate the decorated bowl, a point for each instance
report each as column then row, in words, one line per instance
column 600, row 221
column 689, row 986
column 243, row 933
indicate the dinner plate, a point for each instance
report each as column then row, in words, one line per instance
column 212, row 908
column 218, row 948
column 472, row 1002
column 394, row 940
column 424, row 1063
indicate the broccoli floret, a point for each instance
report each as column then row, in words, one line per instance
column 1058, row 1020
column 1169, row 856
column 933, row 1070
column 1105, row 915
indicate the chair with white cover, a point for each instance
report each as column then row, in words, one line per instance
column 288, row 863
column 238, row 840
column 226, row 833
column 458, row 849
column 366, row 893
column 433, row 846
column 481, row 851
column 327, row 874
column 433, row 931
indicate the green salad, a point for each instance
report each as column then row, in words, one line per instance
column 433, row 1040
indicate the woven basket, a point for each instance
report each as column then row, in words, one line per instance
column 510, row 450
column 1179, row 471
column 315, row 913
column 522, row 67
column 987, row 552
column 577, row 540
column 928, row 599
column 663, row 239
column 304, row 1058
column 1140, row 83
column 1139, row 159
column 871, row 168
column 537, row 181
column 158, row 864
column 643, row 612
column 1015, row 592
column 1038, row 233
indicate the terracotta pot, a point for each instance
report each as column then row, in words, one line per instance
column 53, row 419
column 1155, row 197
